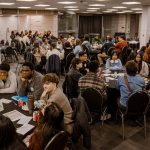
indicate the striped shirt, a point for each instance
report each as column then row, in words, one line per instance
column 93, row 81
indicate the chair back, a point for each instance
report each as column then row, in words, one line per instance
column 53, row 64
column 138, row 103
column 58, row 142
column 93, row 99
column 110, row 51
column 69, row 58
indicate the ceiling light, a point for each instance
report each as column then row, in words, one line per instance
column 112, row 9
column 93, row 8
column 51, row 8
column 136, row 8
column 71, row 12
column 71, row 7
column 24, row 7
column 7, row 3
column 119, row 7
column 96, row 5
column 131, row 3
column 42, row 5
column 127, row 11
column 120, row 12
column 66, row 2
column 26, row 0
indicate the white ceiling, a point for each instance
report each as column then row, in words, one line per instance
column 82, row 4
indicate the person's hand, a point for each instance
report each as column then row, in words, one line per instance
column 22, row 78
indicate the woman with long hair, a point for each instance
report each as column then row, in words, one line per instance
column 114, row 63
column 143, row 68
column 51, row 124
column 9, row 139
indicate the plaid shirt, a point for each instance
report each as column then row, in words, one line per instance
column 93, row 81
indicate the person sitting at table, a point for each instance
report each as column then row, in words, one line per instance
column 30, row 81
column 70, row 85
column 120, row 44
column 114, row 63
column 8, row 81
column 8, row 137
column 85, row 62
column 91, row 80
column 136, row 82
column 51, row 123
column 143, row 68
column 52, row 93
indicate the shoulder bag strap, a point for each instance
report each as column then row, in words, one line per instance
column 127, row 84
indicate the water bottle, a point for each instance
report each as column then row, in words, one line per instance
column 30, row 102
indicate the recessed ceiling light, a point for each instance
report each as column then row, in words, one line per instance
column 42, row 5
column 71, row 7
column 112, row 9
column 136, row 8
column 51, row 8
column 93, row 8
column 120, row 12
column 131, row 3
column 66, row 2
column 96, row 5
column 26, row 0
column 23, row 7
column 119, row 7
column 127, row 11
column 7, row 3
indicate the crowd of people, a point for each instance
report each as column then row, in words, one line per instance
column 84, row 71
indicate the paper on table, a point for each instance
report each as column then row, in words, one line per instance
column 14, row 115
column 24, row 129
column 6, row 101
column 24, row 120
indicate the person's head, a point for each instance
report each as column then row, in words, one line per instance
column 138, row 58
column 4, row 69
column 78, row 42
column 27, row 70
column 53, row 115
column 121, row 38
column 94, row 66
column 146, row 56
column 53, row 45
column 50, row 82
column 76, row 63
column 83, row 56
column 113, row 55
column 67, row 44
column 131, row 68
column 52, row 120
column 143, row 48
column 7, row 131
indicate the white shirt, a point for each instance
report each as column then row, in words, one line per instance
column 53, row 51
column 10, row 85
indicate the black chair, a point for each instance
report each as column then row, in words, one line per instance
column 137, row 105
column 124, row 55
column 110, row 51
column 94, row 100
column 69, row 58
column 58, row 142
column 10, row 55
